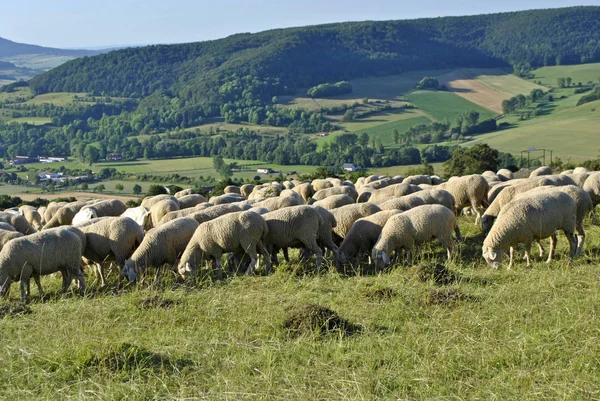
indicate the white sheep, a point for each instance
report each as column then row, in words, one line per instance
column 232, row 189
column 191, row 200
column 32, row 215
column 424, row 197
column 64, row 216
column 305, row 190
column 215, row 211
column 40, row 254
column 184, row 212
column 345, row 217
column 246, row 189
column 18, row 222
column 592, row 187
column 225, row 198
column 184, row 192
column 505, row 174
column 279, row 202
column 531, row 218
column 149, row 201
column 417, row 179
column 7, row 235
column 392, row 191
column 334, row 201
column 139, row 214
column 471, row 190
column 234, row 232
column 415, row 227
column 338, row 190
column 544, row 170
column 159, row 210
column 51, row 209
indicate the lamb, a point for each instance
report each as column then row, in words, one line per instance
column 40, row 254
column 149, row 201
column 7, row 235
column 18, row 222
column 184, row 192
column 161, row 245
column 115, row 238
column 334, row 201
column 544, row 170
column 226, row 198
column 183, row 212
column 305, row 190
column 64, row 216
column 293, row 227
column 582, row 201
column 338, row 190
column 191, row 200
column 139, row 214
column 531, row 218
column 392, row 191
column 363, row 235
column 213, row 212
column 159, row 210
column 234, row 232
column 279, row 202
column 345, row 217
column 414, row 227
column 32, row 215
column 471, row 190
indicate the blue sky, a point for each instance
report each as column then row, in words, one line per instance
column 90, row 23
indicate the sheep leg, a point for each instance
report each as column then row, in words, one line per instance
column 541, row 248
column 286, row 255
column 552, row 248
column 409, row 254
column 572, row 244
column 459, row 237
column 314, row 248
column 580, row 238
column 24, row 284
column 81, row 280
column 511, row 257
column 38, row 283
column 528, row 254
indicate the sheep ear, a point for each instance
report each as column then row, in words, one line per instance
column 385, row 258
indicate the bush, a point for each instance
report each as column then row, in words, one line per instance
column 323, row 90
column 156, row 189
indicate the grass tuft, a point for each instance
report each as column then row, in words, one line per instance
column 315, row 319
column 14, row 309
column 436, row 272
column 446, row 296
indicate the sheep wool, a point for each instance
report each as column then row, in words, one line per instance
column 345, row 217
column 334, row 201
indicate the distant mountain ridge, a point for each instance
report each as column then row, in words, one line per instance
column 8, row 48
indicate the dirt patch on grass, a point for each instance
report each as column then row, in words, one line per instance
column 316, row 319
column 14, row 310
column 157, row 301
column 446, row 296
column 379, row 294
column 438, row 273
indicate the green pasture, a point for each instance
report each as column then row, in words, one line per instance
column 442, row 106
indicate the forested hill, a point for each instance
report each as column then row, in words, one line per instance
column 246, row 70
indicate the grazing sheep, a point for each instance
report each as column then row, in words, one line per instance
column 544, row 170
column 531, row 218
column 505, row 174
column 325, row 236
column 370, row 179
column 232, row 189
column 150, row 201
column 214, row 211
column 84, row 214
column 293, row 227
column 226, row 198
column 279, row 202
column 415, row 227
column 334, row 201
column 161, row 245
column 42, row 210
column 184, row 192
column 40, row 254
column 363, row 235
column 7, row 235
column 184, row 212
column 139, row 214
column 556, row 180
column 495, row 191
column 365, row 194
column 579, row 179
column 240, row 232
column 18, row 222
column 190, row 201
column 319, row 184
column 115, row 238
column 6, row 227
column 345, row 217
column 51, row 209
column 471, row 190
column 581, row 170
column 592, row 187
column 305, row 190
column 109, row 207
column 567, row 172
column 64, row 215
column 417, row 179
column 379, row 184
column 424, row 197
column 582, row 201
column 159, row 210
column 393, row 191
column 339, row 190
column 247, row 189
column 32, row 215
column 289, row 193
column 288, row 184
column 335, row 181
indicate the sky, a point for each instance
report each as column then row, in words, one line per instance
column 93, row 23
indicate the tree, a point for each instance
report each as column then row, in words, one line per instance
column 348, row 115
column 119, row 187
column 221, row 167
column 561, row 82
column 91, row 154
column 364, row 140
column 396, row 136
column 84, row 186
column 428, row 83
column 99, row 188
column 137, row 189
column 474, row 160
column 568, row 81
column 156, row 189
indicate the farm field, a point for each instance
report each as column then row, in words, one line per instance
column 440, row 105
column 229, row 127
column 579, row 73
column 470, row 333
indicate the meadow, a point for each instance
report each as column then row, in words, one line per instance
column 411, row 332
column 583, row 73
column 441, row 106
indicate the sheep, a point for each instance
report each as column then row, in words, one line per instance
column 325, row 236
column 278, row 203
column 324, row 193
column 417, row 179
column 583, row 203
column 6, row 226
column 531, row 218
column 392, row 191
column 363, row 235
column 471, row 190
column 116, row 238
column 579, row 179
column 505, row 174
column 232, row 189
column 345, row 216
column 40, row 254
column 414, row 227
column 161, row 245
column 335, row 181
column 556, row 180
column 581, row 170
column 544, row 170
column 321, row 184
column 293, row 227
column 139, row 214
column 424, row 197
column 592, row 187
column 379, row 184
column 234, row 232
column 51, row 209
column 184, row 192
column 149, row 201
column 18, row 222
column 435, row 180
column 183, row 212
column 247, row 189
column 158, row 211
column 42, row 210
column 305, row 190
column 113, row 207
column 288, row 184
column 334, row 201
column 567, row 172
column 291, row 194
column 64, row 215
column 32, row 215
column 7, row 235
column 226, row 198
column 213, row 212
column 370, row 179
column 190, row 200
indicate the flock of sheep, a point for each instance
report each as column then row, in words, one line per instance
column 375, row 217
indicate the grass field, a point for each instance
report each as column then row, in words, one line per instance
column 466, row 333
column 486, row 87
column 440, row 105
column 228, row 127
column 38, row 61
column 30, row 120
column 579, row 73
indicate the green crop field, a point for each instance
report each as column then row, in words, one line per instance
column 441, row 105
column 465, row 332
column 579, row 73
